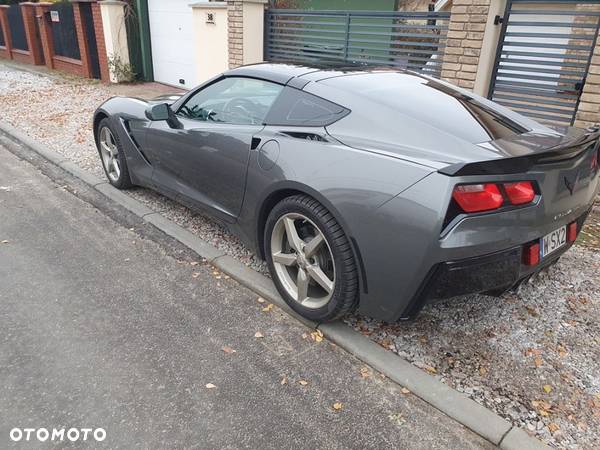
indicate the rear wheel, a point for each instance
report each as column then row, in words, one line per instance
column 112, row 156
column 310, row 259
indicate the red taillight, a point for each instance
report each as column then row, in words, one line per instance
column 478, row 197
column 531, row 254
column 520, row 193
column 572, row 232
column 595, row 160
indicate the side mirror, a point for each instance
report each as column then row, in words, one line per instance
column 158, row 112
column 163, row 111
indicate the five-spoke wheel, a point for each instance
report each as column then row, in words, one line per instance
column 111, row 154
column 310, row 259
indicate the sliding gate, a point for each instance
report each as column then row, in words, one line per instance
column 543, row 57
column 411, row 40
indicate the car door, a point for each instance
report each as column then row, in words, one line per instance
column 204, row 159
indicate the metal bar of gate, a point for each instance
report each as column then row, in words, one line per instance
column 397, row 39
column 539, row 70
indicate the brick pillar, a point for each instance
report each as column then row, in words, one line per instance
column 464, row 41
column 34, row 44
column 100, row 44
column 42, row 13
column 84, row 51
column 235, row 33
column 588, row 111
column 7, row 51
column 245, row 31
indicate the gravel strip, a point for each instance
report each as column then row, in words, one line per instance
column 531, row 356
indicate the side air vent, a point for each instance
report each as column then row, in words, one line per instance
column 305, row 136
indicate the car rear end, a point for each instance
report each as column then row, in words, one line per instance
column 500, row 228
column 506, row 195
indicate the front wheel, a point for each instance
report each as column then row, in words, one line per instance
column 112, row 156
column 310, row 259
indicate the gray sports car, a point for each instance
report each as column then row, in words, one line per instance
column 371, row 189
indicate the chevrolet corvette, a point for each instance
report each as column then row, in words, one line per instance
column 376, row 190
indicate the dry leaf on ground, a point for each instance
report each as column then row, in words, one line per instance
column 337, row 406
column 210, row 386
column 228, row 349
column 268, row 308
column 302, row 382
column 258, row 334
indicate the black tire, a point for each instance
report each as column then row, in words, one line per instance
column 344, row 297
column 124, row 180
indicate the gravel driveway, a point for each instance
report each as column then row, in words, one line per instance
column 532, row 356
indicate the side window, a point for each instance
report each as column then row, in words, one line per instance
column 233, row 100
column 299, row 108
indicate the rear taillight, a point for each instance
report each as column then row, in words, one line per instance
column 489, row 196
column 478, row 197
column 520, row 193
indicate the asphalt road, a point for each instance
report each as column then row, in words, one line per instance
column 111, row 326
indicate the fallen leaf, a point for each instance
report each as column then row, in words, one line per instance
column 258, row 334
column 261, row 300
column 302, row 382
column 337, row 406
column 228, row 349
column 210, row 386
column 364, row 372
column 304, row 335
column 194, row 263
column 317, row 336
column 404, row 391
column 430, row 369
column 268, row 308
column 538, row 361
column 195, row 274
column 547, row 388
column 482, row 371
column 553, row 427
column 215, row 272
column 284, row 380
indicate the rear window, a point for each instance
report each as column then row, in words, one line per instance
column 297, row 108
column 445, row 108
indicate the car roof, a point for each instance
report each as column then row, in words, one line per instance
column 299, row 76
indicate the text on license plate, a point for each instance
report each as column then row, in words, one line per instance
column 553, row 241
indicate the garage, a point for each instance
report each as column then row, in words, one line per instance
column 171, row 37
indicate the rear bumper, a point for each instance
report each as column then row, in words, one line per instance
column 491, row 274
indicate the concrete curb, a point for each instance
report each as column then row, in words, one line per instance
column 458, row 406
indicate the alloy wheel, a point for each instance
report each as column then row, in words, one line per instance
column 110, row 154
column 303, row 260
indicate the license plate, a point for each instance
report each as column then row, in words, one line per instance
column 553, row 241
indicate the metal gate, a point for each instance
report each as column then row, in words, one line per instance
column 90, row 37
column 64, row 33
column 414, row 40
column 17, row 27
column 543, row 57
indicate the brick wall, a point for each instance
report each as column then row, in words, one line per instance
column 83, row 66
column 235, row 29
column 464, row 41
column 32, row 56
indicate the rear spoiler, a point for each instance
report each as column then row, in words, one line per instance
column 520, row 164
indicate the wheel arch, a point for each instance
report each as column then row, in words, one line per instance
column 98, row 117
column 289, row 189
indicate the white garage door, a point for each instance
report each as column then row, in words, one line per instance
column 171, row 36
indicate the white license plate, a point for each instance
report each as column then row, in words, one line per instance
column 553, row 241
